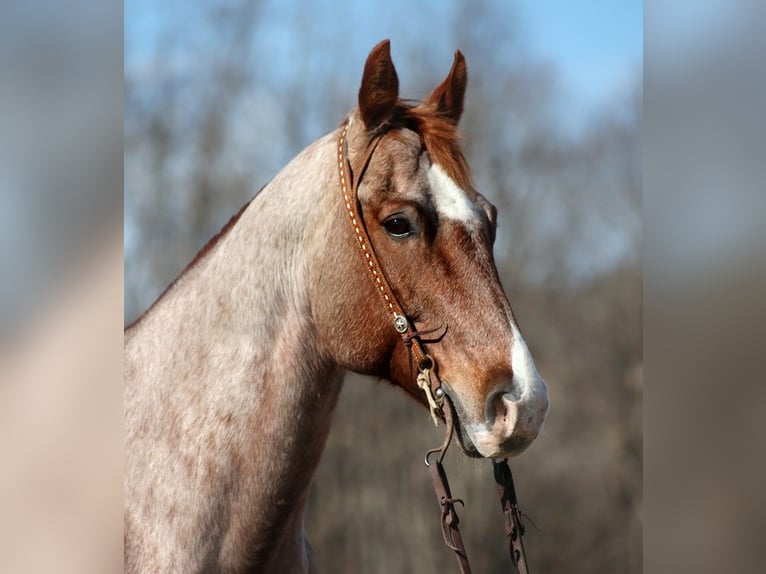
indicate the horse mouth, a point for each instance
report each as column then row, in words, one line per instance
column 464, row 440
column 462, row 436
column 511, row 446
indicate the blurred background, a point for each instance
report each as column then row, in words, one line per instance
column 220, row 94
column 553, row 132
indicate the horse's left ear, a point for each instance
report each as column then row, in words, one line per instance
column 447, row 99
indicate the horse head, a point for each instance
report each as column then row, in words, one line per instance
column 433, row 235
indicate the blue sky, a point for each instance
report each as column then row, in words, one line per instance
column 596, row 46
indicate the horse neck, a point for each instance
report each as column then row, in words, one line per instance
column 227, row 380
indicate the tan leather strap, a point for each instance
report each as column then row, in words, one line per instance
column 349, row 185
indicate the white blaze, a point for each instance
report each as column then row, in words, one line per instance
column 534, row 392
column 450, row 201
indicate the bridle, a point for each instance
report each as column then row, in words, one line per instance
column 427, row 377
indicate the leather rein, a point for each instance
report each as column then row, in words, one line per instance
column 427, row 377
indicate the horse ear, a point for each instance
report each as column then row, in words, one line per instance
column 447, row 98
column 379, row 91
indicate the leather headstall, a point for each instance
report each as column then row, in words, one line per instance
column 427, row 378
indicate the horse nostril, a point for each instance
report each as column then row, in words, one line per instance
column 508, row 391
column 514, row 393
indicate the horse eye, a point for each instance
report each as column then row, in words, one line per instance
column 398, row 227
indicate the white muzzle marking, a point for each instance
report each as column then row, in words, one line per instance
column 520, row 412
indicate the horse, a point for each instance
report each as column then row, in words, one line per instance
column 232, row 375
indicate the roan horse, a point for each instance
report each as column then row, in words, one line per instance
column 231, row 377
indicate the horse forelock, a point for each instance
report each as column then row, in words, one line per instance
column 439, row 135
column 442, row 141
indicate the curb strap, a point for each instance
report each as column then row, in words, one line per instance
column 514, row 528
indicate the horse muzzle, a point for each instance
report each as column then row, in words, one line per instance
column 511, row 421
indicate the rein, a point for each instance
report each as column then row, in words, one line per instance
column 427, row 378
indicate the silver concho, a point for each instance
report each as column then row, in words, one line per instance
column 400, row 323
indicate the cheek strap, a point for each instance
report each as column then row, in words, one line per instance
column 426, row 378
